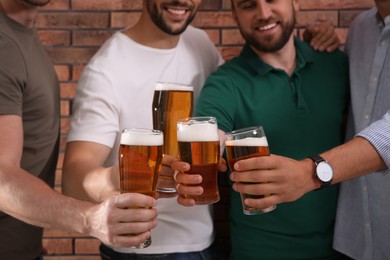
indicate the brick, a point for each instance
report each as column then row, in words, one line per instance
column 347, row 17
column 312, row 17
column 228, row 53
column 214, row 19
column 71, row 55
column 87, row 246
column 73, row 20
column 68, row 90
column 57, row 5
column 90, row 38
column 232, row 37
column 210, row 5
column 107, row 5
column 65, row 124
column 334, row 4
column 59, row 233
column 63, row 137
column 63, row 72
column 58, row 246
column 58, row 177
column 214, row 36
column 123, row 19
column 64, row 107
column 54, row 37
column 76, row 72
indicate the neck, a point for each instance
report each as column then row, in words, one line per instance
column 19, row 12
column 145, row 32
column 284, row 59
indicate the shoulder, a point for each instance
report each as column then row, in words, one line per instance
column 365, row 17
column 11, row 52
column 197, row 38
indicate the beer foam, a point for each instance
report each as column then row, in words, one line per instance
column 142, row 139
column 173, row 86
column 249, row 141
column 197, row 133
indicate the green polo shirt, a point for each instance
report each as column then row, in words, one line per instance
column 302, row 115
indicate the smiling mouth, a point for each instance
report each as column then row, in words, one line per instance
column 176, row 11
column 267, row 27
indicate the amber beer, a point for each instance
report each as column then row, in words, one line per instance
column 171, row 102
column 243, row 144
column 199, row 146
column 140, row 158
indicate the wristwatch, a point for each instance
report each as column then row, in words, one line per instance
column 323, row 171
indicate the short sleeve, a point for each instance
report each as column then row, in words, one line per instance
column 95, row 111
column 12, row 77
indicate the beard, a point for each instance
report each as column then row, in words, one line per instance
column 269, row 43
column 158, row 19
column 36, row 2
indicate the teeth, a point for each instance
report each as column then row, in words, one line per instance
column 178, row 12
column 267, row 27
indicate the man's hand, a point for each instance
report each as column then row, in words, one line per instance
column 322, row 37
column 189, row 184
column 284, row 178
column 123, row 220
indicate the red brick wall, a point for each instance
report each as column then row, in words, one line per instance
column 72, row 30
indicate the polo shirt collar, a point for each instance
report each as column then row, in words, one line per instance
column 305, row 55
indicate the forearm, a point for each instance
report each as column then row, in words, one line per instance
column 84, row 176
column 353, row 159
column 86, row 182
column 29, row 199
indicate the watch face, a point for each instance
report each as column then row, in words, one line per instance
column 324, row 172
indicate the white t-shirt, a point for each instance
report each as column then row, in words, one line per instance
column 116, row 91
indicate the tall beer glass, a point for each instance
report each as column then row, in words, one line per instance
column 199, row 146
column 140, row 157
column 171, row 102
column 243, row 144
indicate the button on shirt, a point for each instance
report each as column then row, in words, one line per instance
column 363, row 215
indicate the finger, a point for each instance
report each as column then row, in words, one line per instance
column 255, row 163
column 137, row 215
column 128, row 200
column 328, row 43
column 253, row 188
column 188, row 179
column 334, row 44
column 128, row 240
column 134, row 228
column 168, row 159
column 180, row 166
column 187, row 202
column 262, row 203
column 189, row 190
column 222, row 166
column 323, row 34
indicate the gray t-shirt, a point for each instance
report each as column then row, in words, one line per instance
column 28, row 88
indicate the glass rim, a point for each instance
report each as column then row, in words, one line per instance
column 161, row 86
column 141, row 131
column 245, row 130
column 197, row 119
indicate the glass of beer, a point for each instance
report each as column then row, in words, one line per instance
column 243, row 144
column 171, row 101
column 140, row 158
column 199, row 146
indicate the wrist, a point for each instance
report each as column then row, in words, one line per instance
column 310, row 168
